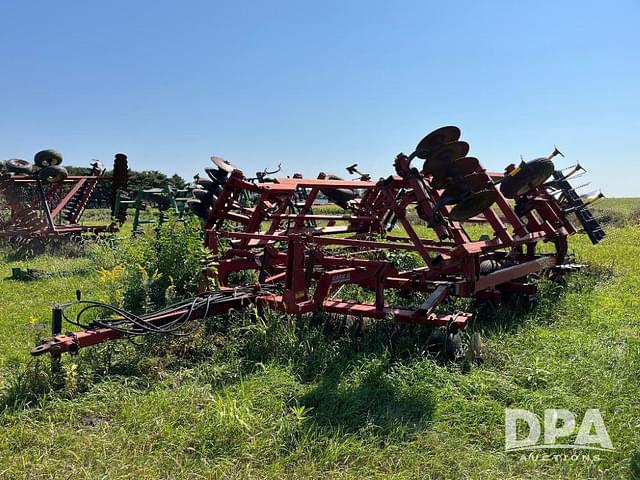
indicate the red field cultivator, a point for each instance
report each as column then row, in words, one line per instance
column 299, row 260
column 42, row 201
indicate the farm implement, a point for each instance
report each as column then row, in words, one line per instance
column 272, row 246
column 41, row 201
column 167, row 200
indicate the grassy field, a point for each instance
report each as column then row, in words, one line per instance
column 283, row 397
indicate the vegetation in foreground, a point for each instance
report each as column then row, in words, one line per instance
column 291, row 397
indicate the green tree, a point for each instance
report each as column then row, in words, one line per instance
column 177, row 181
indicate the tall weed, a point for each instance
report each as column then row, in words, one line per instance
column 148, row 272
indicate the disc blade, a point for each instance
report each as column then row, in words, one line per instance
column 460, row 167
column 203, row 195
column 210, row 185
column 527, row 176
column 473, row 205
column 464, row 166
column 450, row 197
column 199, row 209
column 216, row 175
column 474, row 182
column 436, row 139
column 440, row 182
column 224, row 165
column 444, row 156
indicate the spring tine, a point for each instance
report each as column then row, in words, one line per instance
column 589, row 194
column 581, row 174
column 555, row 183
column 597, row 198
column 555, row 152
column 576, row 166
column 582, row 186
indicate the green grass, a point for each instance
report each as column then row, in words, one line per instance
column 619, row 204
column 286, row 397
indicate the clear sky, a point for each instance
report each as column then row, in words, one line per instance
column 320, row 85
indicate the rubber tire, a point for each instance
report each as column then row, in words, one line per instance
column 53, row 174
column 17, row 165
column 442, row 344
column 49, row 157
column 489, row 266
column 339, row 196
column 534, row 172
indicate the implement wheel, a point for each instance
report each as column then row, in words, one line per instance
column 53, row 174
column 17, row 165
column 45, row 158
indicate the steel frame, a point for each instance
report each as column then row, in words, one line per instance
column 280, row 239
column 311, row 263
column 41, row 214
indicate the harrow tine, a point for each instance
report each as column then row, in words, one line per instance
column 576, row 166
column 555, row 183
column 597, row 198
column 589, row 194
column 576, row 169
column 555, row 153
column 582, row 186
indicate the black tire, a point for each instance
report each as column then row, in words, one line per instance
column 442, row 344
column 17, row 165
column 339, row 196
column 531, row 174
column 46, row 158
column 489, row 266
column 53, row 174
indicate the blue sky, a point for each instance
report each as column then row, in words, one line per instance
column 320, row 85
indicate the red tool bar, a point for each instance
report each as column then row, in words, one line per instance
column 326, row 183
column 325, row 241
column 347, row 307
column 73, row 342
column 289, row 184
column 368, row 310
